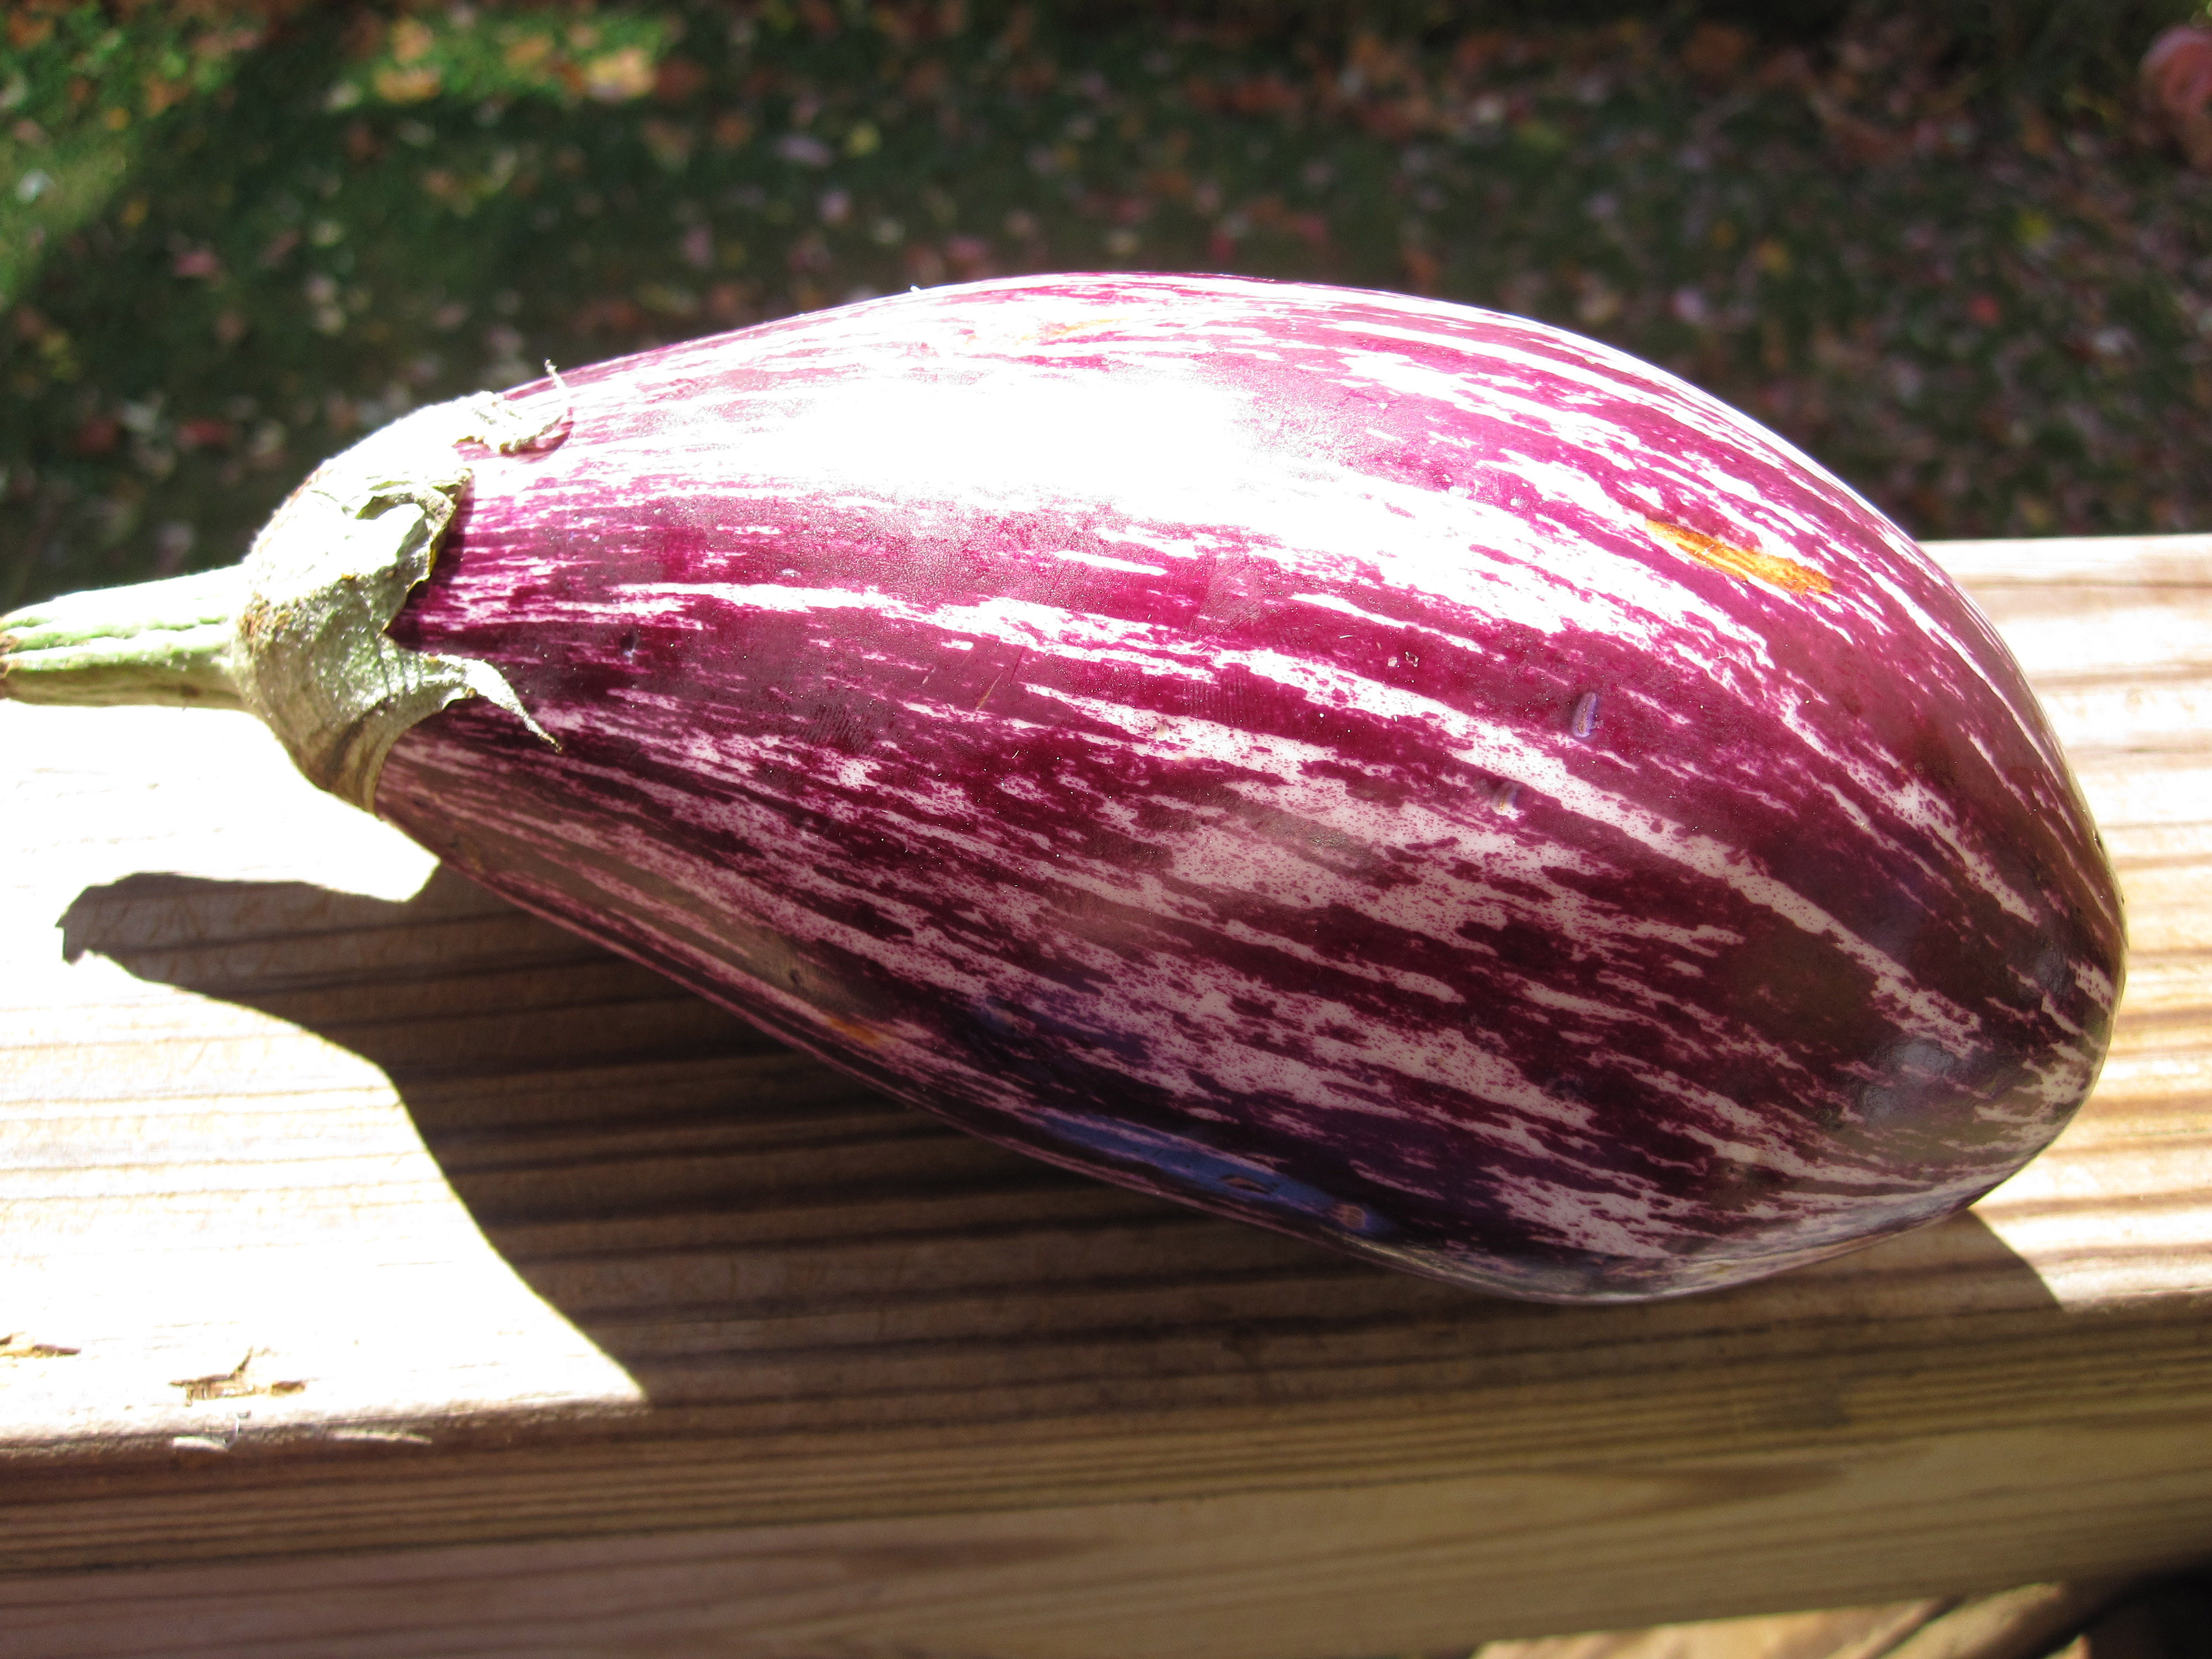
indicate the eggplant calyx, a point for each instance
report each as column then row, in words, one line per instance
column 331, row 571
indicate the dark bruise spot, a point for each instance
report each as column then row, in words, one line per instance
column 1361, row 783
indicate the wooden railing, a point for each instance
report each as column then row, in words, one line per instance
column 380, row 1258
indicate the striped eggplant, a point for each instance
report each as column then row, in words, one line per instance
column 1394, row 772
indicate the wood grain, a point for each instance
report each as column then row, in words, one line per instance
column 379, row 1260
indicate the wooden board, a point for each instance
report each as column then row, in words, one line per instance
column 379, row 1258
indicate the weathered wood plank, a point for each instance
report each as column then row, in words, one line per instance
column 524, row 1245
column 2078, row 561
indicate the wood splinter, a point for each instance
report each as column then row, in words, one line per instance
column 233, row 1383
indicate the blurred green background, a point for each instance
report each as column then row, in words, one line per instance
column 1937, row 245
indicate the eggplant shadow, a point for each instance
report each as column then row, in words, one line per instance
column 755, row 1237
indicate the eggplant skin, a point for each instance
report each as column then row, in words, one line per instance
column 1397, row 774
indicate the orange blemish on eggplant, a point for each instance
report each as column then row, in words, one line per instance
column 868, row 1036
column 1742, row 563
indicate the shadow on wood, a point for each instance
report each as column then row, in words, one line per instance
column 747, row 1232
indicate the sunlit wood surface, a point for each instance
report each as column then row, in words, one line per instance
column 387, row 1273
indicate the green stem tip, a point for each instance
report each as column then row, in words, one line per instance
column 157, row 643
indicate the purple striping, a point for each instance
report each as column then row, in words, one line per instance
column 1148, row 721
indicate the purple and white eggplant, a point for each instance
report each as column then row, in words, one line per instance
column 1394, row 772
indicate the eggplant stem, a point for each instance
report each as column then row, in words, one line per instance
column 165, row 642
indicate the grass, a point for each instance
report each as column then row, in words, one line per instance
column 1977, row 289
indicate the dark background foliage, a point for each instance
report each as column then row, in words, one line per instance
column 1937, row 245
